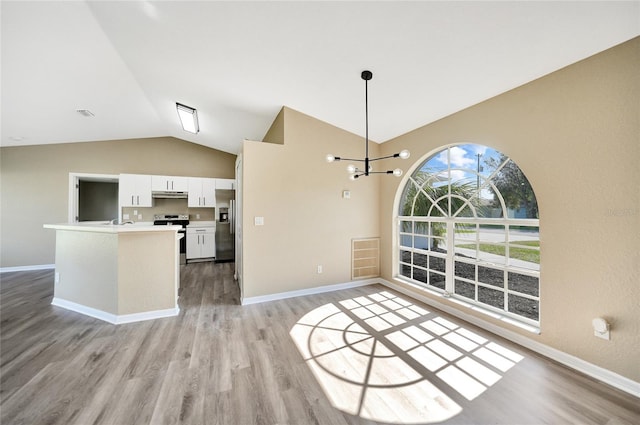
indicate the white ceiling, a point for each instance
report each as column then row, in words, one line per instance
column 238, row 63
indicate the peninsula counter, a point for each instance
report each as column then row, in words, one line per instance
column 117, row 273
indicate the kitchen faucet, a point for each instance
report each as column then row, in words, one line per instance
column 115, row 222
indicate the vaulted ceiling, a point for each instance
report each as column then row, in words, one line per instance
column 239, row 62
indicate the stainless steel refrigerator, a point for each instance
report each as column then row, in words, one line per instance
column 225, row 226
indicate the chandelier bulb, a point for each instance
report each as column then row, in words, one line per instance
column 397, row 172
column 330, row 158
column 404, row 154
column 353, row 176
column 351, row 169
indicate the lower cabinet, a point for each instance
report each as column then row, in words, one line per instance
column 201, row 242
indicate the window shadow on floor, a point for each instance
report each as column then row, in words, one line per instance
column 383, row 358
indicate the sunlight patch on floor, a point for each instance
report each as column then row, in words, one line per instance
column 383, row 358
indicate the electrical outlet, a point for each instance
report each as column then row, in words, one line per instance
column 125, row 216
column 319, row 269
column 601, row 328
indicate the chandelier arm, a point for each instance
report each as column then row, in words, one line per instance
column 395, row 155
column 351, row 159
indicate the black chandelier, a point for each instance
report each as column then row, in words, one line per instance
column 352, row 169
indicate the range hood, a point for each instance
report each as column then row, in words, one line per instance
column 172, row 195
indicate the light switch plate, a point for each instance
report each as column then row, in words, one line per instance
column 346, row 194
column 258, row 221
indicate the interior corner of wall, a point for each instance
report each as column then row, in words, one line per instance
column 275, row 134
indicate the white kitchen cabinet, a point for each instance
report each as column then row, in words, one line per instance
column 201, row 242
column 225, row 184
column 202, row 192
column 134, row 190
column 169, row 184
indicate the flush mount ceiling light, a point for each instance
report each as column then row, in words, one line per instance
column 352, row 169
column 188, row 118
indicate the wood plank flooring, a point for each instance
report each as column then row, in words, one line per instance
column 221, row 363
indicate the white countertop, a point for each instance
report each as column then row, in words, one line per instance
column 105, row 227
column 201, row 224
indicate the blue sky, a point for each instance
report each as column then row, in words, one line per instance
column 464, row 163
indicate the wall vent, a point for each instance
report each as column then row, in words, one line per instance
column 365, row 258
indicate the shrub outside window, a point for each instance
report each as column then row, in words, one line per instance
column 468, row 227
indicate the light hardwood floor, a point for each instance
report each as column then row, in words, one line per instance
column 379, row 356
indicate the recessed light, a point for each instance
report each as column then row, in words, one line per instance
column 85, row 112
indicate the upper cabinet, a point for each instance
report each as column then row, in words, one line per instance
column 135, row 190
column 202, row 192
column 225, row 184
column 169, row 184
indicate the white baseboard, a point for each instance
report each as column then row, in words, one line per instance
column 309, row 291
column 147, row 315
column 611, row 378
column 27, row 268
column 113, row 318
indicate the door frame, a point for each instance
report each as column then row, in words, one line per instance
column 74, row 185
column 239, row 260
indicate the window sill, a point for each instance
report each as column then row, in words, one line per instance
column 506, row 319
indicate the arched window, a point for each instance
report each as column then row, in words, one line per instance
column 468, row 227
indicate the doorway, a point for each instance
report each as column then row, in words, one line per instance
column 93, row 197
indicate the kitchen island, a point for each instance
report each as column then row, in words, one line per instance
column 117, row 273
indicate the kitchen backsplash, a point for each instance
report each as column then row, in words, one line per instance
column 169, row 206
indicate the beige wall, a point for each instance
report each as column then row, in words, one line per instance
column 117, row 273
column 576, row 135
column 275, row 134
column 306, row 221
column 146, row 272
column 75, row 262
column 35, row 181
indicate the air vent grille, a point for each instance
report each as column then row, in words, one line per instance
column 365, row 258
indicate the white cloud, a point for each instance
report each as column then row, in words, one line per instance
column 457, row 175
column 486, row 194
column 457, row 157
column 478, row 149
